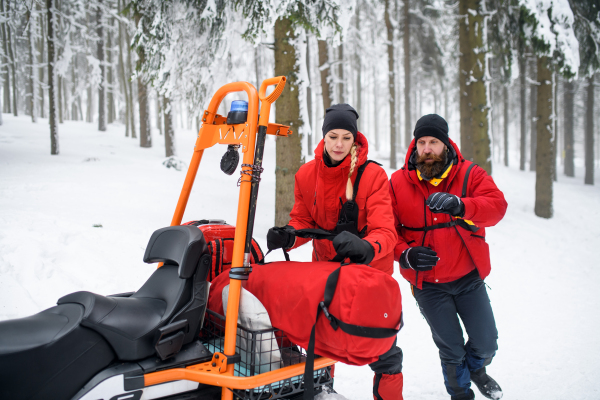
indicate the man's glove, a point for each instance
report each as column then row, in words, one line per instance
column 348, row 245
column 280, row 237
column 446, row 203
column 418, row 258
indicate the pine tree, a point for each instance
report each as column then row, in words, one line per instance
column 474, row 135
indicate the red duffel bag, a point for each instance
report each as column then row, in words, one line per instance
column 360, row 314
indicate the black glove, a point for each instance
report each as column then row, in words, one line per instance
column 280, row 237
column 418, row 258
column 446, row 203
column 348, row 245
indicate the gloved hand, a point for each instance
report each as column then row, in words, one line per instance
column 446, row 203
column 280, row 237
column 418, row 258
column 349, row 245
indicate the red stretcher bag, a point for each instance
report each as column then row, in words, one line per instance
column 357, row 322
column 219, row 239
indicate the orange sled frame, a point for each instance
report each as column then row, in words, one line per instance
column 215, row 130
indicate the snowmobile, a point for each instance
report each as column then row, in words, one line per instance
column 161, row 342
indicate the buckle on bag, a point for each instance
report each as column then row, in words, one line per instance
column 331, row 318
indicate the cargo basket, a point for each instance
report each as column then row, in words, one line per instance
column 262, row 351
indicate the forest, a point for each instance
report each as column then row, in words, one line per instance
column 515, row 79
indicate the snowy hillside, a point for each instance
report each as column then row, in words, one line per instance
column 81, row 221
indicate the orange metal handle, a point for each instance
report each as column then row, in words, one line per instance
column 266, row 101
column 262, row 93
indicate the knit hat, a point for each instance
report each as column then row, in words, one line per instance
column 432, row 125
column 341, row 116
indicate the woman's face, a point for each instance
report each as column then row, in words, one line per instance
column 338, row 143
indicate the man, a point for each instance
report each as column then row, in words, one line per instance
column 442, row 205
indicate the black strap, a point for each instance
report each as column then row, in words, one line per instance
column 355, row 330
column 459, row 222
column 431, row 227
column 359, row 173
column 466, row 180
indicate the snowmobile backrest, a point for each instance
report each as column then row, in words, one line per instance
column 177, row 245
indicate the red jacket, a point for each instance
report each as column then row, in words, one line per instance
column 318, row 190
column 460, row 250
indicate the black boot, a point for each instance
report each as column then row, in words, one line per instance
column 464, row 396
column 486, row 384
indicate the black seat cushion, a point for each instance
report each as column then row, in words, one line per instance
column 129, row 324
column 49, row 355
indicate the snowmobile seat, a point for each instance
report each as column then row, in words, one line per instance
column 49, row 355
column 167, row 311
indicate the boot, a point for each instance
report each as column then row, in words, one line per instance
column 464, row 396
column 388, row 387
column 486, row 384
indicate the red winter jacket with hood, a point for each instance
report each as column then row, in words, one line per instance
column 318, row 190
column 460, row 250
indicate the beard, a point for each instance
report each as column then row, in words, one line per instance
column 431, row 170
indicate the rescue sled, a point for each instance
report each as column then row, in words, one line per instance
column 161, row 342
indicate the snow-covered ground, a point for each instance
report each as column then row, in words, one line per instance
column 544, row 285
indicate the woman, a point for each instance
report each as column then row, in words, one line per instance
column 322, row 186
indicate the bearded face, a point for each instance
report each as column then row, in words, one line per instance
column 431, row 165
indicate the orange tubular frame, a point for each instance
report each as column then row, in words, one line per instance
column 215, row 130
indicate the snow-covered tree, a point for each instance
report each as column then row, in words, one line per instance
column 550, row 31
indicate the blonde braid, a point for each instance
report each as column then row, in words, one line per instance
column 354, row 160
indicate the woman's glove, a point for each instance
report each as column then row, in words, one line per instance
column 280, row 238
column 446, row 203
column 350, row 246
column 418, row 258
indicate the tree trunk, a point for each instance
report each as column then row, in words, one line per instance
column 341, row 85
column 169, row 130
column 100, row 56
column 391, row 84
column 109, row 74
column 11, row 54
column 159, row 111
column 407, row 89
column 41, row 68
column 288, row 150
column 309, row 104
column 130, row 85
column 568, row 131
column 533, row 116
column 59, row 83
column 145, row 132
column 589, row 133
column 31, row 72
column 545, row 137
column 506, row 123
column 54, row 149
column 358, row 66
column 555, row 119
column 5, row 62
column 124, row 83
column 523, row 106
column 474, row 135
column 375, row 107
column 325, row 78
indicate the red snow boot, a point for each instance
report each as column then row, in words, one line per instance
column 388, row 387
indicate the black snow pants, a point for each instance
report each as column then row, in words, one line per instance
column 442, row 304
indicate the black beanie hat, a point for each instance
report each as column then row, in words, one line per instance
column 432, row 125
column 340, row 116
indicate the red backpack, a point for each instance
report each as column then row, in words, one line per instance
column 219, row 238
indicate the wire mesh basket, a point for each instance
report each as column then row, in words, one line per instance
column 262, row 351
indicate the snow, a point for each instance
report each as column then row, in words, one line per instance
column 543, row 286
